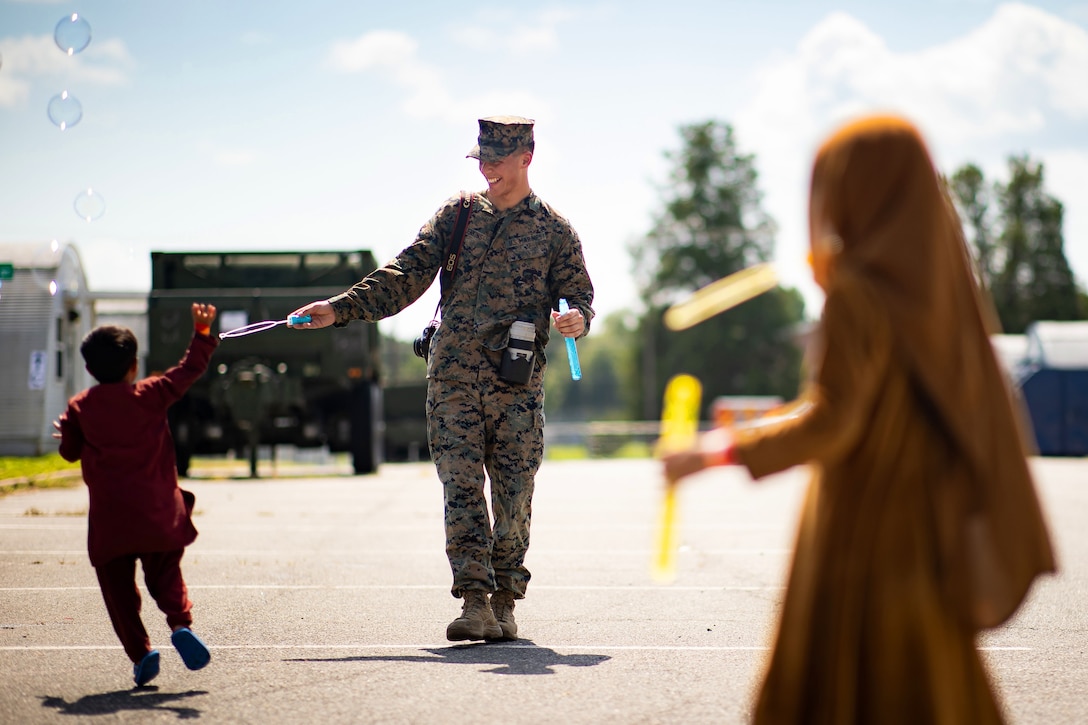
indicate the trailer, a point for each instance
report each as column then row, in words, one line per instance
column 1053, row 380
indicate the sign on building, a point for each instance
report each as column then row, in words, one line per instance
column 36, row 378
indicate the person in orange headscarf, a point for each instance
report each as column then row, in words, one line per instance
column 918, row 456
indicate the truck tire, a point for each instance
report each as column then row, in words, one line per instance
column 183, row 446
column 367, row 440
column 183, row 458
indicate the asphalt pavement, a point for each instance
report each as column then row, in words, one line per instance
column 325, row 599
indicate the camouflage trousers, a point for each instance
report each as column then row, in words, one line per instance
column 494, row 427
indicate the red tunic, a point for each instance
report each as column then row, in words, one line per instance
column 121, row 434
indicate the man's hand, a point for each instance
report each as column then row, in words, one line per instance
column 56, row 434
column 571, row 324
column 320, row 312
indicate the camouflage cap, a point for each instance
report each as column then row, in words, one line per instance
column 501, row 136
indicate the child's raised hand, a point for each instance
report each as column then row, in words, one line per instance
column 203, row 316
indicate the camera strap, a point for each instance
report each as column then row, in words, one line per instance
column 453, row 249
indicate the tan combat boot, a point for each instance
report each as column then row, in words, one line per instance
column 502, row 604
column 476, row 620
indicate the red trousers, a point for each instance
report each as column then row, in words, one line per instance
column 162, row 574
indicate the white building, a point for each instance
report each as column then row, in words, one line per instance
column 45, row 310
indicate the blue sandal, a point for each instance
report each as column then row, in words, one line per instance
column 145, row 670
column 194, row 653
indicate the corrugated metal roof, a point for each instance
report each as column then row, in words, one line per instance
column 1011, row 350
column 1059, row 345
column 41, row 254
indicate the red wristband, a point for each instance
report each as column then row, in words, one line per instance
column 721, row 457
column 205, row 330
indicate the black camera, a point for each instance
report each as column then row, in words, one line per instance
column 421, row 346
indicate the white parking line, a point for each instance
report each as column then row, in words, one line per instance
column 274, row 524
column 364, row 551
column 446, row 645
column 436, row 587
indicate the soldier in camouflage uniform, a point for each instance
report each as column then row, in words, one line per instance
column 519, row 257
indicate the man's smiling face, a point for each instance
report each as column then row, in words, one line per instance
column 506, row 177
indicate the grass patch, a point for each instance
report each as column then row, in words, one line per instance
column 46, row 471
column 634, row 449
column 35, row 511
column 574, row 452
column 25, row 467
column 565, row 452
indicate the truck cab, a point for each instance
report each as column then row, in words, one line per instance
column 306, row 388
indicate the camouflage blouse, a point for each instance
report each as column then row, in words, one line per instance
column 514, row 265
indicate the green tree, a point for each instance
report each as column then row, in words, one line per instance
column 712, row 224
column 604, row 356
column 970, row 190
column 1019, row 245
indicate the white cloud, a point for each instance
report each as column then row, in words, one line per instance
column 379, row 48
column 1065, row 171
column 1023, row 60
column 13, row 90
column 235, row 157
column 978, row 97
column 105, row 62
column 228, row 156
column 540, row 35
column 1078, row 13
column 37, row 56
column 427, row 86
column 998, row 79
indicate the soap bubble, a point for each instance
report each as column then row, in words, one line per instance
column 65, row 110
column 72, row 33
column 90, row 205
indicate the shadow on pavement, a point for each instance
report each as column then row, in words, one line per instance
column 139, row 698
column 516, row 658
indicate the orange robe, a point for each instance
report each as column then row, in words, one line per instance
column 875, row 626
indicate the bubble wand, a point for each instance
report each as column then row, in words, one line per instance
column 679, row 428
column 572, row 348
column 717, row 297
column 262, row 326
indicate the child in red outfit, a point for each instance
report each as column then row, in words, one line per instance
column 118, row 430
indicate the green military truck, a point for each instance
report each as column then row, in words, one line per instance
column 308, row 388
column 405, row 408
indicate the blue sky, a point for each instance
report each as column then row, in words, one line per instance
column 273, row 125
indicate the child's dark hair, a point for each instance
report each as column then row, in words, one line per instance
column 109, row 352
